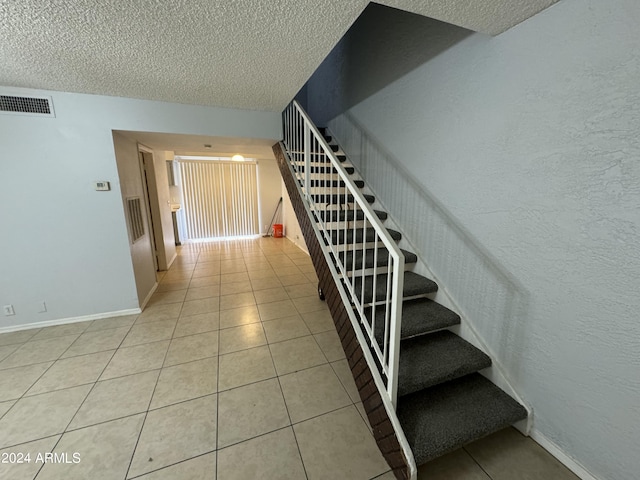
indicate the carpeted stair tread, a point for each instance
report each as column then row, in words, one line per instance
column 339, row 199
column 420, row 316
column 341, row 215
column 369, row 260
column 443, row 418
column 435, row 358
column 338, row 236
column 414, row 285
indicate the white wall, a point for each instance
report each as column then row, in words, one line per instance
column 516, row 160
column 167, row 248
column 61, row 241
column 269, row 192
column 290, row 223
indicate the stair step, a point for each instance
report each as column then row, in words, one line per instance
column 335, row 183
column 349, row 170
column 445, row 417
column 439, row 357
column 340, row 199
column 414, row 285
column 419, row 317
column 368, row 260
column 342, row 215
column 338, row 236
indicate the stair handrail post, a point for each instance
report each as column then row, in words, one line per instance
column 307, row 160
column 395, row 333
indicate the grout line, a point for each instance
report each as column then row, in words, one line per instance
column 476, row 462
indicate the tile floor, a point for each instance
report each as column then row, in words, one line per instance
column 233, row 371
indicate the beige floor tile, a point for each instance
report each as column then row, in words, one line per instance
column 266, row 284
column 116, row 398
column 167, row 286
column 234, row 277
column 71, row 372
column 177, row 275
column 299, row 279
column 269, row 295
column 38, row 351
column 339, row 445
column 198, row 293
column 341, row 367
column 232, row 266
column 22, row 336
column 7, row 350
column 105, row 451
column 175, row 433
column 249, row 411
column 297, row 354
column 14, row 382
column 5, row 407
column 113, row 322
column 204, row 305
column 236, row 301
column 207, row 270
column 509, row 455
column 163, row 298
column 185, row 382
column 310, row 304
column 264, row 274
column 26, row 471
column 302, row 290
column 285, row 329
column 363, row 414
column 242, row 337
column 156, row 313
column 239, row 316
column 312, row 277
column 456, row 465
column 235, row 287
column 244, row 367
column 150, row 332
column 191, row 325
column 41, row 415
column 273, row 310
column 271, row 456
column 288, row 271
column 193, row 347
column 200, row 282
column 386, row 476
column 199, row 468
column 313, row 392
column 93, row 342
column 330, row 345
column 62, row 330
column 320, row 321
column 140, row 358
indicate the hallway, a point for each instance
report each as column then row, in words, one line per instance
column 233, row 371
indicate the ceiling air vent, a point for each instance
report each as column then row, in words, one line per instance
column 40, row 106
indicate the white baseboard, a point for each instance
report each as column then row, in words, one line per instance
column 562, row 457
column 63, row 321
column 148, row 297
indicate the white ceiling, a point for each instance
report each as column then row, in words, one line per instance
column 253, row 54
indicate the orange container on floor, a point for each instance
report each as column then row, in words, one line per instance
column 277, row 230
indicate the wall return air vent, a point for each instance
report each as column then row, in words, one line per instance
column 26, row 105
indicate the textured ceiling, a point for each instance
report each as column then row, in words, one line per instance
column 253, row 54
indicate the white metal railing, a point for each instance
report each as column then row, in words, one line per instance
column 366, row 262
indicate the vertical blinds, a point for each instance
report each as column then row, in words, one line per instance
column 220, row 198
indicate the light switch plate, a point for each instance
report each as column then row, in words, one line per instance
column 102, row 186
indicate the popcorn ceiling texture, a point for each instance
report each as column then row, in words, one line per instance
column 252, row 54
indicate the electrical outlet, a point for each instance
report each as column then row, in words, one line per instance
column 8, row 310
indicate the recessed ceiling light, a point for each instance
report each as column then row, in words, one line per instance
column 237, row 158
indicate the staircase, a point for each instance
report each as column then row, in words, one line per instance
column 441, row 401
